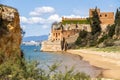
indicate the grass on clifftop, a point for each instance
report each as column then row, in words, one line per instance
column 76, row 22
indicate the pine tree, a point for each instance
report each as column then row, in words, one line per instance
column 95, row 22
column 117, row 23
column 116, row 16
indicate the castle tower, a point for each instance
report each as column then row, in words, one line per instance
column 106, row 18
column 91, row 11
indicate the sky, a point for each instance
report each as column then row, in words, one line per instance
column 36, row 16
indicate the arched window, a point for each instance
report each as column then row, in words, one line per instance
column 100, row 15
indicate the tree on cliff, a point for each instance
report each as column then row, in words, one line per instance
column 116, row 16
column 111, row 30
column 90, row 39
column 117, row 22
column 95, row 22
column 81, row 39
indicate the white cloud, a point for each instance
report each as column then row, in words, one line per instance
column 75, row 16
column 35, row 17
column 36, row 20
column 45, row 26
column 54, row 17
column 42, row 10
column 23, row 19
column 23, row 27
column 39, row 20
column 32, row 20
column 45, row 21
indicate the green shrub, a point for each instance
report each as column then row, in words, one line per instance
column 102, row 38
column 19, row 69
column 76, row 22
column 81, row 39
column 111, row 31
column 108, row 42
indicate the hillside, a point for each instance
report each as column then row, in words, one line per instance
column 35, row 38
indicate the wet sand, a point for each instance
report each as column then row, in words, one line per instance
column 109, row 64
column 68, row 61
column 79, row 65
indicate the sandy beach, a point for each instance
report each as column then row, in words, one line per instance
column 109, row 62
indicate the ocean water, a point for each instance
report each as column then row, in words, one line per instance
column 64, row 59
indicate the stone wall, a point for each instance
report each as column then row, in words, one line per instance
column 51, row 46
column 85, row 27
column 105, row 17
column 63, row 36
column 67, row 19
column 59, row 45
column 68, row 30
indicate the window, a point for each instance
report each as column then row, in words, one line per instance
column 56, row 34
column 105, row 15
column 100, row 15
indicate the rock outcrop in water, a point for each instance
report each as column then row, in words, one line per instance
column 10, row 31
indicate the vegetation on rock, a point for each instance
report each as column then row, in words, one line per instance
column 81, row 39
column 90, row 38
column 111, row 30
column 95, row 22
column 97, row 37
column 16, row 68
column 117, row 23
column 76, row 22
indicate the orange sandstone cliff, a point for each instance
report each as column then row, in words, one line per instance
column 10, row 31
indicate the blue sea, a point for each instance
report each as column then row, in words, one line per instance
column 32, row 53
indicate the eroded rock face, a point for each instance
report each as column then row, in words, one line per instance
column 51, row 46
column 10, row 31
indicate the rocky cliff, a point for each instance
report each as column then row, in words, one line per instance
column 58, row 45
column 10, row 31
column 51, row 46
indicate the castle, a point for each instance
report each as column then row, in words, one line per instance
column 66, row 32
column 60, row 31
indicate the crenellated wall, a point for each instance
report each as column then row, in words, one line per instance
column 65, row 19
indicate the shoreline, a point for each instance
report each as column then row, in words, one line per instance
column 90, row 70
column 100, row 59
